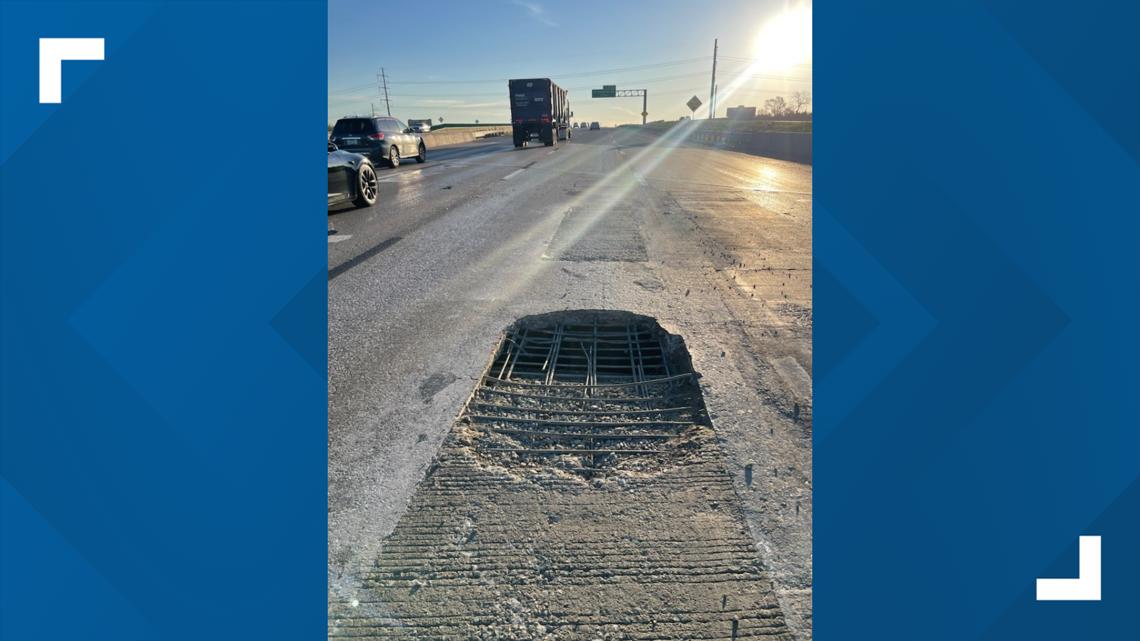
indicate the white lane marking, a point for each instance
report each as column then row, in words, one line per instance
column 403, row 175
column 514, row 173
column 1086, row 587
column 549, row 152
column 339, row 237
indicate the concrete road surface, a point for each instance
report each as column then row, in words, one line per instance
column 713, row 244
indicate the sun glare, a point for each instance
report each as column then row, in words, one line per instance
column 784, row 41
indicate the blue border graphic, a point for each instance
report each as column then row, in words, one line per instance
column 977, row 305
column 163, row 452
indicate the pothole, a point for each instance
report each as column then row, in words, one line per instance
column 505, row 539
column 587, row 392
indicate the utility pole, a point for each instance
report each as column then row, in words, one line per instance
column 712, row 85
column 384, row 79
column 373, row 109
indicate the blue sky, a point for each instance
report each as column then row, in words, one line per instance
column 452, row 59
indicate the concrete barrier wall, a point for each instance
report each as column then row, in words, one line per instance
column 782, row 145
column 445, row 137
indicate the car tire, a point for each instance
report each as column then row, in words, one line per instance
column 422, row 156
column 393, row 157
column 367, row 186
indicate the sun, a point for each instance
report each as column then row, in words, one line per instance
column 784, row 41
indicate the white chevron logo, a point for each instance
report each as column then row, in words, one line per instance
column 53, row 51
column 1086, row 587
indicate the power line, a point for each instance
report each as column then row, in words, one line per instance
column 572, row 74
column 587, row 87
column 446, row 94
column 738, row 97
column 575, row 74
column 753, row 59
column 349, row 89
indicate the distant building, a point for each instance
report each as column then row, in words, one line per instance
column 741, row 113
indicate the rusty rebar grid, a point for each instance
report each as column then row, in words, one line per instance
column 586, row 388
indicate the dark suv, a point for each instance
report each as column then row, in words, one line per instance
column 380, row 138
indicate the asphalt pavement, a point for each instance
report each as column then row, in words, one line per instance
column 715, row 245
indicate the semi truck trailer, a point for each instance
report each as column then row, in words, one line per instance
column 540, row 110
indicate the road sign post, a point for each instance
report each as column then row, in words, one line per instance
column 693, row 104
column 611, row 91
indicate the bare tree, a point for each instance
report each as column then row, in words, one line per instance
column 776, row 106
column 798, row 101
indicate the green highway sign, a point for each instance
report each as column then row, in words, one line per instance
column 607, row 91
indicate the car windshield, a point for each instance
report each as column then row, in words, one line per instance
column 352, row 126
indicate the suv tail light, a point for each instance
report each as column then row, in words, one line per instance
column 544, row 119
column 377, row 136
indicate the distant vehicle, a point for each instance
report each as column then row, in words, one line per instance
column 351, row 179
column 539, row 109
column 380, row 138
column 420, row 126
column 594, row 125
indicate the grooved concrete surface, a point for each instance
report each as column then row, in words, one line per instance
column 583, row 237
column 483, row 553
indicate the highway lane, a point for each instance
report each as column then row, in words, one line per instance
column 714, row 244
column 412, row 194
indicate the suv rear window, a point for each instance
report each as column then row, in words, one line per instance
column 352, row 126
column 391, row 125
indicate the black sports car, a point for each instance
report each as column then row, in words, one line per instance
column 352, row 178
